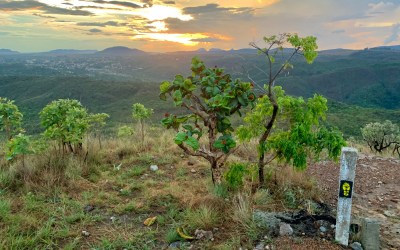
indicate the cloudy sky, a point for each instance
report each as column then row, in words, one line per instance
column 171, row 25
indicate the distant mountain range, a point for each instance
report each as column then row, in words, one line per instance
column 70, row 51
column 109, row 81
column 122, row 51
column 8, row 52
column 395, row 47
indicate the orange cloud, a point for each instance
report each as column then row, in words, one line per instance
column 233, row 3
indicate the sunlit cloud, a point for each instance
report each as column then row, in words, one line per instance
column 395, row 35
column 158, row 26
column 186, row 39
column 374, row 24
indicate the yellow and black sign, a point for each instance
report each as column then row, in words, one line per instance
column 346, row 189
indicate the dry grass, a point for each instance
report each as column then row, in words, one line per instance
column 52, row 192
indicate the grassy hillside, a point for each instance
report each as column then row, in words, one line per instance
column 101, row 200
column 115, row 98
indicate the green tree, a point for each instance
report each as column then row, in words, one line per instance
column 211, row 98
column 141, row 113
column 297, row 133
column 10, row 118
column 19, row 145
column 97, row 122
column 66, row 121
column 381, row 135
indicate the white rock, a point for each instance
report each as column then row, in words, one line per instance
column 260, row 246
column 154, row 168
column 389, row 213
column 285, row 229
column 85, row 233
column 356, row 246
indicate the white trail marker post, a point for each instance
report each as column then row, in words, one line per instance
column 348, row 162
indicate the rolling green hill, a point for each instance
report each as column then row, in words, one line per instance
column 362, row 86
column 115, row 98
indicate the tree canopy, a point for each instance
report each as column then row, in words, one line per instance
column 211, row 97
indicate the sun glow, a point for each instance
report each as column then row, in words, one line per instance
column 185, row 39
column 158, row 26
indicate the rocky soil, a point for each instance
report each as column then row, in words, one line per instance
column 376, row 192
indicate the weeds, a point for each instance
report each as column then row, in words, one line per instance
column 203, row 217
column 5, row 208
column 172, row 236
column 220, row 190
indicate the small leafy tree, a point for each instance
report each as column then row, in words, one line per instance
column 97, row 122
column 297, row 133
column 141, row 113
column 66, row 121
column 286, row 47
column 211, row 98
column 10, row 118
column 19, row 145
column 381, row 135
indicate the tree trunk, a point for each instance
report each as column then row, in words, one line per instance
column 261, row 178
column 216, row 173
column 142, row 131
column 71, row 149
column 264, row 138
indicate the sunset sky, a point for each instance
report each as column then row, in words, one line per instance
column 168, row 25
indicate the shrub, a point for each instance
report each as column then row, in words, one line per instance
column 380, row 135
column 235, row 174
column 10, row 118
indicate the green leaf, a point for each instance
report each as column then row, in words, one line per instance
column 178, row 80
column 177, row 97
column 193, row 143
column 180, row 137
column 188, row 85
column 164, row 87
column 241, row 100
column 225, row 143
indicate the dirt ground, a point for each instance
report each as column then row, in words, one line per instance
column 376, row 192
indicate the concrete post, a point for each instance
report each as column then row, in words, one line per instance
column 370, row 234
column 348, row 162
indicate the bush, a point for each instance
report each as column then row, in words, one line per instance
column 380, row 136
column 234, row 176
